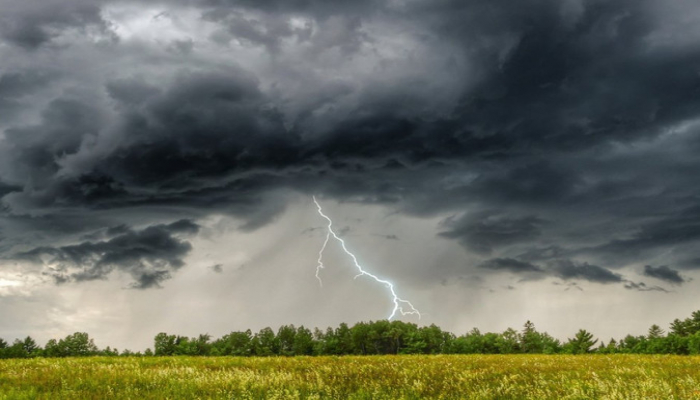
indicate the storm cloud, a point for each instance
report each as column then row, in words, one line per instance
column 568, row 270
column 550, row 141
column 32, row 25
column 531, row 116
column 483, row 233
column 509, row 264
column 664, row 273
column 149, row 255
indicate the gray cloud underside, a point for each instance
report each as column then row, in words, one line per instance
column 664, row 273
column 148, row 255
column 569, row 270
column 550, row 131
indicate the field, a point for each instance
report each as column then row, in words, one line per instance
column 350, row 377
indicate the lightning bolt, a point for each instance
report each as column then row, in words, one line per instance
column 320, row 265
column 399, row 303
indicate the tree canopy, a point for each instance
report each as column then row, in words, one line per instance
column 376, row 337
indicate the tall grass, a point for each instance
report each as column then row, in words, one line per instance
column 351, row 377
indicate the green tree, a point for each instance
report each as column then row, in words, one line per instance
column 549, row 345
column 679, row 328
column 198, row 346
column 234, row 344
column 414, row 343
column 694, row 322
column 632, row 344
column 78, row 344
column 489, row 343
column 325, row 343
column 381, row 337
column 688, row 326
column 265, row 343
column 128, row 353
column 109, row 352
column 436, row 340
column 360, row 334
column 530, row 339
column 471, row 343
column 52, row 349
column 343, row 336
column 657, row 343
column 164, row 344
column 16, row 350
column 303, row 342
column 285, row 339
column 581, row 343
column 678, row 344
column 694, row 343
column 202, row 345
column 508, row 342
column 30, row 347
column 655, row 332
column 395, row 335
column 611, row 347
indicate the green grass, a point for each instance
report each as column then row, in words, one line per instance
column 374, row 377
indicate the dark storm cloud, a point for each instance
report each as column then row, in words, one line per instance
column 117, row 230
column 567, row 269
column 664, row 273
column 543, row 254
column 175, row 144
column 18, row 84
column 5, row 189
column 131, row 92
column 202, row 105
column 681, row 226
column 561, row 268
column 149, row 255
column 693, row 263
column 642, row 287
column 509, row 264
column 539, row 182
column 208, row 125
column 15, row 87
column 31, row 25
column 571, row 83
column 485, row 231
column 328, row 25
column 35, row 149
column 267, row 32
column 550, row 61
column 313, row 7
column 563, row 137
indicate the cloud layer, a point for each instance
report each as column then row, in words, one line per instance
column 555, row 138
column 148, row 255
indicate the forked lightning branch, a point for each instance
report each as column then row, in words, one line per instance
column 400, row 305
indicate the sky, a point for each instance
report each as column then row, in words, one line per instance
column 497, row 163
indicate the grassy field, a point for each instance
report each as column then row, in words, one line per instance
column 375, row 377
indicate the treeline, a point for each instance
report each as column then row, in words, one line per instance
column 378, row 337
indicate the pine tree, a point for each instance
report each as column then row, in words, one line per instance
column 655, row 332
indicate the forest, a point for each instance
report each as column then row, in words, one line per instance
column 374, row 338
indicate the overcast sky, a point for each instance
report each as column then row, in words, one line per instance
column 497, row 163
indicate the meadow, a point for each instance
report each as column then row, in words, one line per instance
column 522, row 376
